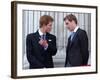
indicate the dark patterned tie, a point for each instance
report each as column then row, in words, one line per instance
column 44, row 38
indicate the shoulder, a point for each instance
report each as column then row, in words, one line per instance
column 82, row 32
column 31, row 35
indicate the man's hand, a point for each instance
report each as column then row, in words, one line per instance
column 43, row 43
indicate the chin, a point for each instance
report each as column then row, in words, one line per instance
column 48, row 31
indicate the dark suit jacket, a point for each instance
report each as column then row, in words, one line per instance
column 77, row 50
column 36, row 55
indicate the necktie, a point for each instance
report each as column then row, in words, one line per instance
column 44, row 38
column 72, row 35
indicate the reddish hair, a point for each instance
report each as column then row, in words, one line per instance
column 45, row 19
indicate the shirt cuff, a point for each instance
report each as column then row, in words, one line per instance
column 45, row 48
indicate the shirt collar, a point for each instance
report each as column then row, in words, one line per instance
column 76, row 29
column 40, row 33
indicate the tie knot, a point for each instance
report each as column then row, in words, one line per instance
column 44, row 36
column 72, row 33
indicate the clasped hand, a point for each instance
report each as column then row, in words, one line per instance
column 43, row 43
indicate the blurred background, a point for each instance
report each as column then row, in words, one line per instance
column 31, row 24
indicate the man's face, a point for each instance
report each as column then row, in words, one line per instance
column 48, row 27
column 70, row 25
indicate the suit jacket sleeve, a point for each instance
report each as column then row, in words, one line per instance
column 84, row 47
column 52, row 46
column 31, row 58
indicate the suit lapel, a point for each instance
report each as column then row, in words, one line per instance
column 47, row 37
column 37, row 36
column 74, row 37
column 37, row 39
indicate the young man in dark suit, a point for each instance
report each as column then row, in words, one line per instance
column 77, row 49
column 41, row 46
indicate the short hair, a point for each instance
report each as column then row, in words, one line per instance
column 71, row 17
column 45, row 19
